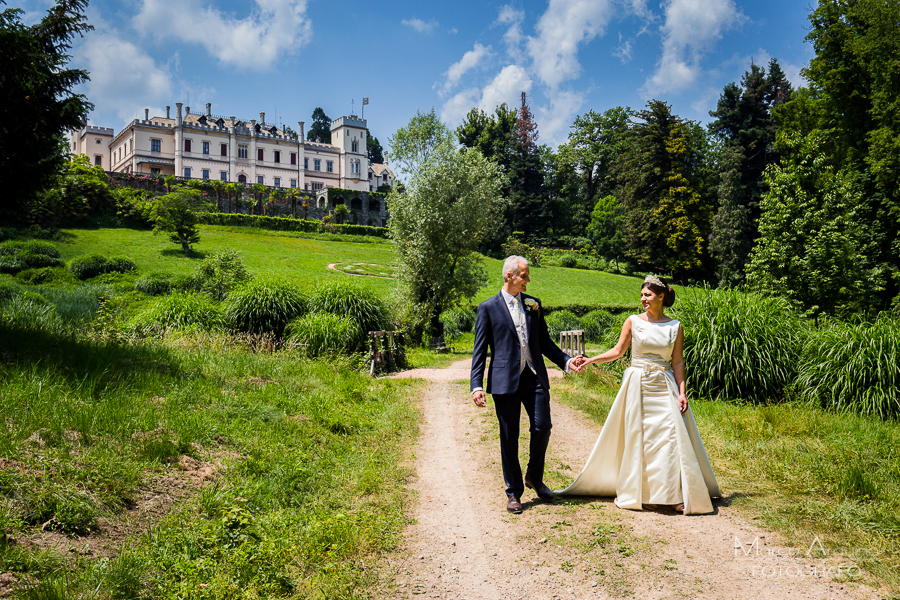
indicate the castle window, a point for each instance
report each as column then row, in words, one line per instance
column 187, row 172
column 293, row 158
column 242, row 150
column 187, row 145
column 306, row 164
column 293, row 183
column 223, row 149
column 205, row 173
column 205, row 147
column 98, row 160
column 329, row 166
column 259, row 179
column 317, row 164
column 223, row 175
column 155, row 145
column 260, row 154
column 355, row 146
column 277, row 156
column 278, row 182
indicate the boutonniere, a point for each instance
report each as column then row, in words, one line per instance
column 532, row 304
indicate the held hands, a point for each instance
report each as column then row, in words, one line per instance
column 579, row 363
column 479, row 398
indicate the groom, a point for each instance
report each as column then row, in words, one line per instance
column 512, row 326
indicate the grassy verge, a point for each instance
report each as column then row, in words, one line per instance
column 301, row 490
column 797, row 469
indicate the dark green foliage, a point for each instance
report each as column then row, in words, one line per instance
column 739, row 345
column 76, row 304
column 177, row 312
column 323, row 333
column 92, row 265
column 853, row 366
column 457, row 321
column 319, row 128
column 36, row 276
column 264, row 306
column 17, row 256
column 220, row 273
column 346, row 298
column 373, row 149
column 157, row 283
column 37, row 104
column 596, row 324
column 283, row 224
column 176, row 213
column 561, row 320
column 569, row 261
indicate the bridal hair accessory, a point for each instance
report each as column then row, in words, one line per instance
column 532, row 304
column 654, row 280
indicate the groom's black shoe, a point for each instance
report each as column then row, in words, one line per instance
column 542, row 490
column 513, row 505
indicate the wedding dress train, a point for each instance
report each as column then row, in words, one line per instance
column 648, row 452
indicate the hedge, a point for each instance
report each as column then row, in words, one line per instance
column 284, row 224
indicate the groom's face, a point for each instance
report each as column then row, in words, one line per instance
column 517, row 283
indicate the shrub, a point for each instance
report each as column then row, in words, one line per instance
column 561, row 320
column 323, row 333
column 365, row 309
column 853, row 366
column 155, row 283
column 18, row 256
column 8, row 290
column 739, row 344
column 175, row 313
column 11, row 264
column 36, row 276
column 596, row 323
column 220, row 273
column 568, row 261
column 457, row 321
column 76, row 304
column 41, row 248
column 262, row 306
column 92, row 265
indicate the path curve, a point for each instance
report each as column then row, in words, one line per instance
column 462, row 545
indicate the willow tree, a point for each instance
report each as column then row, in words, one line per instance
column 438, row 220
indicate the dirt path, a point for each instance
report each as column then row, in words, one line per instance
column 463, row 545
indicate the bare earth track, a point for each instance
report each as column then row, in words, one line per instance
column 463, row 545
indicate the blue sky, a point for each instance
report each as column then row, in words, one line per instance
column 286, row 57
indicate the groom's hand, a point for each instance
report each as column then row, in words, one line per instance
column 479, row 398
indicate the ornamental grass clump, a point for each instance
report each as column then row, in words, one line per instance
column 561, row 320
column 157, row 283
column 739, row 345
column 18, row 256
column 92, row 265
column 320, row 334
column 457, row 321
column 596, row 323
column 177, row 312
column 264, row 306
column 853, row 366
column 365, row 308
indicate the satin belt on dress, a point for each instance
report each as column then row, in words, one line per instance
column 650, row 366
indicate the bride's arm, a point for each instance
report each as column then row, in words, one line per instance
column 617, row 351
column 678, row 369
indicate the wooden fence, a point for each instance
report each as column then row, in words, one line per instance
column 572, row 342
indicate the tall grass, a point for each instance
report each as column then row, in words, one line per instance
column 739, row 345
column 177, row 312
column 323, row 333
column 264, row 306
column 457, row 321
column 853, row 366
column 561, row 320
column 347, row 298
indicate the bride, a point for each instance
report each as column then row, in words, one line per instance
column 649, row 452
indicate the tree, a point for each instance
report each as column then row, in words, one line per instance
column 526, row 128
column 37, row 104
column 340, row 211
column 437, row 221
column 605, row 229
column 813, row 244
column 176, row 213
column 373, row 149
column 320, row 128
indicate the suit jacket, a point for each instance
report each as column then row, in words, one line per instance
column 495, row 330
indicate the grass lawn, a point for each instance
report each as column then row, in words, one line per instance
column 304, row 261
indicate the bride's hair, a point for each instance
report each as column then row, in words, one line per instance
column 658, row 285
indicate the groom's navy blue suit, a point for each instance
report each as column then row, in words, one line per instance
column 511, row 387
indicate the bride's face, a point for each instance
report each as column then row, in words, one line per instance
column 650, row 300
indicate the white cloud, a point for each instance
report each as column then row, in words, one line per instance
column 624, row 51
column 258, row 40
column 554, row 120
column 457, row 107
column 564, row 26
column 471, row 59
column 453, row 31
column 124, row 78
column 512, row 18
column 691, row 27
column 506, row 87
column 420, row 25
column 792, row 72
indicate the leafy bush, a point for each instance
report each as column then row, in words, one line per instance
column 323, row 333
column 92, row 265
column 561, row 320
column 36, row 276
column 365, row 309
column 220, row 273
column 739, row 344
column 457, row 321
column 177, row 312
column 284, row 224
column 8, row 290
column 157, row 283
column 11, row 264
column 262, row 306
column 514, row 247
column 596, row 323
column 853, row 366
column 18, row 256
column 568, row 261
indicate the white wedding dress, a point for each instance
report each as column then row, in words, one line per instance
column 648, row 452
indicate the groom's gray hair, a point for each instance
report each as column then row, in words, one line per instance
column 511, row 265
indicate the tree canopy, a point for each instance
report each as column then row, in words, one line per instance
column 320, row 128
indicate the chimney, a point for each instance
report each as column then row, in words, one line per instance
column 302, row 136
column 208, row 110
column 146, row 114
column 262, row 118
column 178, row 114
column 168, row 108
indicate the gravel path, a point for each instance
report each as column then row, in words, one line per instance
column 463, row 545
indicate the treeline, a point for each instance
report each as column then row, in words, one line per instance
column 791, row 191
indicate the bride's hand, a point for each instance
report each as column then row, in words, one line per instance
column 682, row 403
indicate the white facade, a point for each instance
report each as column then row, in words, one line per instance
column 207, row 146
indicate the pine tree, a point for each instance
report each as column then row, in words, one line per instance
column 320, row 129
